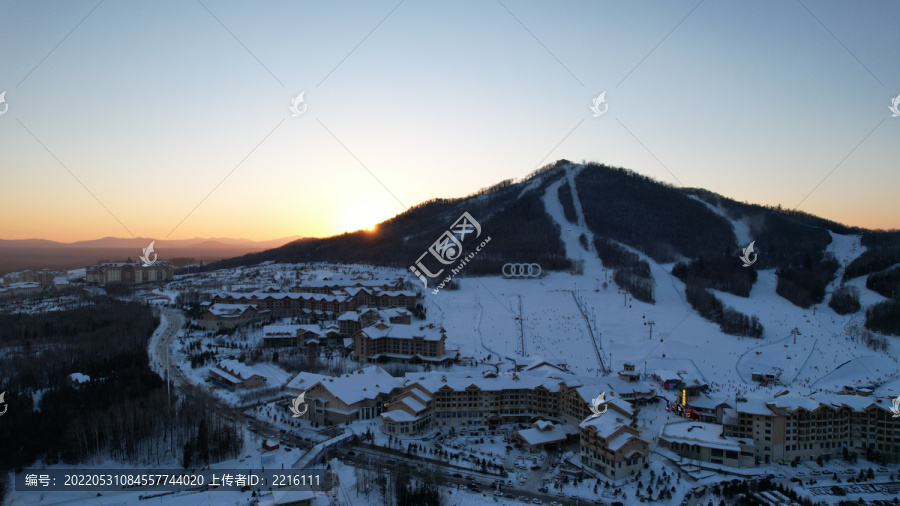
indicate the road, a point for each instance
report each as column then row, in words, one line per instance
column 163, row 351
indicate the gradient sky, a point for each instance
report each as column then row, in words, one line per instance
column 124, row 116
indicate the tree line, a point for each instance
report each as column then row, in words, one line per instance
column 121, row 413
column 730, row 320
column 631, row 273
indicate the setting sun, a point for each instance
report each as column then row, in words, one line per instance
column 359, row 220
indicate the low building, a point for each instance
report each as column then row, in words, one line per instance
column 360, row 395
column 237, row 375
column 292, row 335
column 707, row 442
column 543, row 434
column 705, row 408
column 227, row 316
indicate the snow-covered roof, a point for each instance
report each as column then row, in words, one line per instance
column 551, row 433
column 408, row 293
column 460, row 380
column 279, row 330
column 305, row 380
column 363, row 384
column 78, row 377
column 261, row 295
column 605, row 425
column 421, row 394
column 349, row 316
column 229, row 310
column 413, row 403
column 403, row 331
column 622, row 387
column 398, row 415
column 704, row 434
column 619, row 441
column 707, row 402
column 667, row 374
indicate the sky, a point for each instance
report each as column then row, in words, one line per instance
column 171, row 119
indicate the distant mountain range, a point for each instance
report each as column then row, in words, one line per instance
column 20, row 254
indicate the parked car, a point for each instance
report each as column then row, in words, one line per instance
column 536, row 501
column 543, row 489
column 796, row 480
column 456, row 475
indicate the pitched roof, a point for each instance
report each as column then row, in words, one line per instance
column 403, row 331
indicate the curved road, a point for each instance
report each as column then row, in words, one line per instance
column 163, row 350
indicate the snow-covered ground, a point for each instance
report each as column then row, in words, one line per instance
column 555, row 316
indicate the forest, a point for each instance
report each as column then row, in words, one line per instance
column 730, row 320
column 886, row 282
column 652, row 217
column 884, row 317
column 122, row 413
column 845, row 300
column 519, row 227
column 723, row 273
column 629, row 272
column 568, row 203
